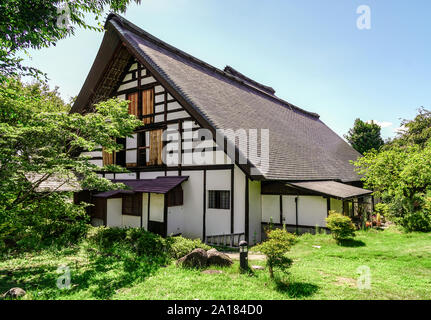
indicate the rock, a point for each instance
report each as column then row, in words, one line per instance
column 257, row 268
column 196, row 259
column 216, row 258
column 212, row 271
column 317, row 247
column 15, row 293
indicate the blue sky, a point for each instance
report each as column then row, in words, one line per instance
column 310, row 51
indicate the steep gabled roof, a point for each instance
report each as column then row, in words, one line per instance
column 302, row 147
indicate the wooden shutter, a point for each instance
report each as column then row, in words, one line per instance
column 133, row 105
column 108, row 158
column 147, row 105
column 156, row 147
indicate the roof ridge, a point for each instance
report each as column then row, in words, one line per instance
column 139, row 31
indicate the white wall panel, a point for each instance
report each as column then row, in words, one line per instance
column 114, row 212
column 312, row 211
column 271, row 208
column 289, row 210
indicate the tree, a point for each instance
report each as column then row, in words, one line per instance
column 36, row 24
column 400, row 174
column 364, row 136
column 41, row 140
column 275, row 248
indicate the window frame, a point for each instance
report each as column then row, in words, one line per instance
column 219, row 203
column 135, row 206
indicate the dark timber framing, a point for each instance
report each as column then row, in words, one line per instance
column 247, row 210
column 281, row 209
column 232, row 200
column 204, row 218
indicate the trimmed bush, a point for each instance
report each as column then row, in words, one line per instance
column 342, row 227
column 180, row 246
column 275, row 248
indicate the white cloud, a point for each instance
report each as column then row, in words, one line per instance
column 383, row 124
column 400, row 129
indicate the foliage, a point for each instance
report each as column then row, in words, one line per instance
column 364, row 136
column 401, row 175
column 142, row 242
column 416, row 131
column 180, row 246
column 342, row 227
column 275, row 248
column 40, row 141
column 381, row 209
column 36, row 24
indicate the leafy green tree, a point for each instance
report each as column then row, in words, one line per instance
column 364, row 136
column 401, row 174
column 41, row 140
column 35, row 24
column 275, row 248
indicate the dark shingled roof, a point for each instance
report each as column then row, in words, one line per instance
column 332, row 188
column 160, row 185
column 302, row 147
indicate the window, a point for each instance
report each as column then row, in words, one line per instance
column 108, row 157
column 218, row 199
column 132, row 204
column 150, row 147
column 175, row 197
column 148, row 106
column 133, row 105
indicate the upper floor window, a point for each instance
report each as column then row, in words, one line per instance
column 145, row 111
column 150, row 147
column 219, row 199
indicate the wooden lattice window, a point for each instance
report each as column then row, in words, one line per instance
column 148, row 106
column 133, row 104
column 156, row 148
column 108, row 157
column 132, row 204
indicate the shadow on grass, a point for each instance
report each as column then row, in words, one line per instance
column 351, row 243
column 101, row 278
column 296, row 289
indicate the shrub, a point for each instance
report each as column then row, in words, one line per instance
column 275, row 248
column 341, row 226
column 105, row 237
column 146, row 243
column 180, row 246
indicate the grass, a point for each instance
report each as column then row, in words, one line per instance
column 400, row 266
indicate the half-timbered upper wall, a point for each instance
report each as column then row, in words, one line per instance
column 171, row 116
column 165, row 124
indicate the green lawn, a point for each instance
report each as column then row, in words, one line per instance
column 400, row 266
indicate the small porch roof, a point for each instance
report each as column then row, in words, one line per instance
column 161, row 185
column 332, row 188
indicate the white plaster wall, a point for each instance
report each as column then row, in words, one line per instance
column 271, row 208
column 131, row 221
column 113, row 213
column 255, row 211
column 145, row 211
column 125, row 176
column 312, row 211
column 152, row 175
column 157, row 203
column 193, row 204
column 218, row 220
column 337, row 205
column 175, row 220
column 239, row 201
column 289, row 210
